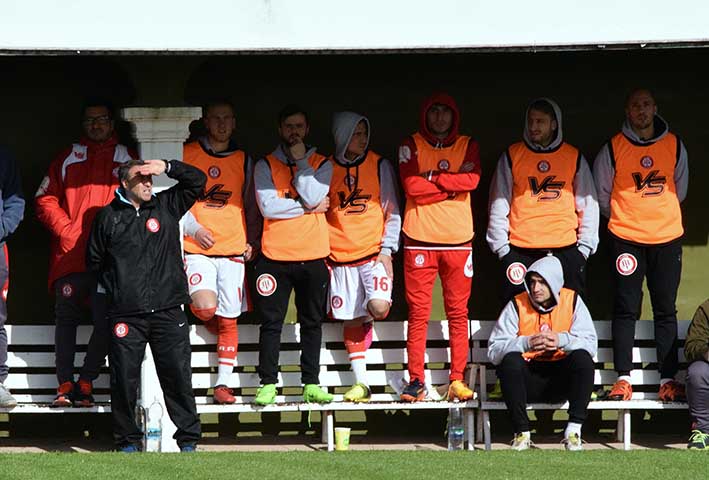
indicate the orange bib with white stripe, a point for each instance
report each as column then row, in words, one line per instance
column 532, row 321
column 543, row 210
column 220, row 208
column 356, row 218
column 449, row 221
column 294, row 239
column 644, row 204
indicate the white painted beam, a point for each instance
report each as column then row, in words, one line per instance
column 307, row 25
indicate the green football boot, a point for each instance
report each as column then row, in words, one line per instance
column 266, row 395
column 359, row 393
column 314, row 394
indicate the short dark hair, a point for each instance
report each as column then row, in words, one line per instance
column 292, row 109
column 544, row 107
column 217, row 102
column 635, row 90
column 97, row 102
column 125, row 168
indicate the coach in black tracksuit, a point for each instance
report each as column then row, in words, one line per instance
column 135, row 248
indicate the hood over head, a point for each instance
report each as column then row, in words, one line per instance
column 558, row 138
column 343, row 126
column 549, row 268
column 443, row 99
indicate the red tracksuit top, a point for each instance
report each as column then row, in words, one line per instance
column 71, row 194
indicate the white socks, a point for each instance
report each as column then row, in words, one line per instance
column 224, row 372
column 359, row 368
column 626, row 378
column 572, row 428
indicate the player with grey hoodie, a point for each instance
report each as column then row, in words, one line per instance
column 292, row 185
column 364, row 226
column 542, row 200
column 543, row 344
column 641, row 177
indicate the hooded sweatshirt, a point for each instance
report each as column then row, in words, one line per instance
column 425, row 188
column 505, row 336
column 311, row 184
column 501, row 198
column 343, row 127
column 436, row 188
column 604, row 167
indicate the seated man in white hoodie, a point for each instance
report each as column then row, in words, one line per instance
column 542, row 345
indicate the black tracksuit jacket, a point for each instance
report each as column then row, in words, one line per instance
column 137, row 253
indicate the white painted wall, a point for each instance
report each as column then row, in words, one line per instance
column 256, row 25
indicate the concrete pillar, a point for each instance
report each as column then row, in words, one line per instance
column 160, row 133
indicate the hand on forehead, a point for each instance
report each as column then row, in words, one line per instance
column 139, row 170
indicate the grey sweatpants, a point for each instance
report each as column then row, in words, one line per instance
column 698, row 393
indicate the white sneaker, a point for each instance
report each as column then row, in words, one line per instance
column 522, row 441
column 6, row 400
column 573, row 442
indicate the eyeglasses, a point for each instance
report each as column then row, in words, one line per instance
column 218, row 120
column 100, row 120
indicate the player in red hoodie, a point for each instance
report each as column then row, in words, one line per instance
column 81, row 179
column 438, row 168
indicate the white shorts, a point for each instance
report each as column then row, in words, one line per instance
column 352, row 287
column 222, row 275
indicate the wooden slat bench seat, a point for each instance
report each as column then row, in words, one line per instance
column 33, row 381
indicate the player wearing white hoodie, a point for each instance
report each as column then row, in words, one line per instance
column 364, row 225
column 542, row 345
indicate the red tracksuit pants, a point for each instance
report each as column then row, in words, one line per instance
column 455, row 267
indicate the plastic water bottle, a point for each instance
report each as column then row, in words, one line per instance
column 456, row 430
column 153, row 431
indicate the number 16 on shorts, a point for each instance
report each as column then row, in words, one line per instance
column 381, row 284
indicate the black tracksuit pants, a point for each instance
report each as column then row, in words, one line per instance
column 662, row 266
column 167, row 332
column 75, row 295
column 274, row 282
column 522, row 382
column 572, row 261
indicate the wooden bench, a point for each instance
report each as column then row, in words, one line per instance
column 33, row 382
column 645, row 377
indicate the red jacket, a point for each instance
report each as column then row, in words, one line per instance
column 424, row 191
column 76, row 186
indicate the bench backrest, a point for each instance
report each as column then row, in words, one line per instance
column 32, row 376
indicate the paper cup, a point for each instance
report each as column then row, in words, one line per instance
column 342, row 438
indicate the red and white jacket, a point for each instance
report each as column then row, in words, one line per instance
column 440, row 185
column 81, row 180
